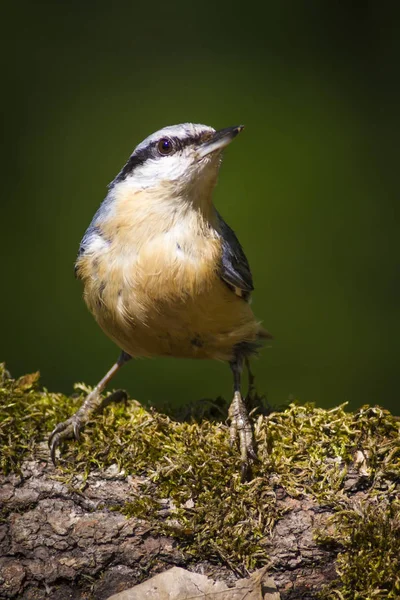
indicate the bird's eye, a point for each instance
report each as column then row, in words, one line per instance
column 165, row 146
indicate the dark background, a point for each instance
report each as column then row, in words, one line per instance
column 311, row 186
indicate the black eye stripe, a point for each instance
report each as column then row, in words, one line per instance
column 139, row 157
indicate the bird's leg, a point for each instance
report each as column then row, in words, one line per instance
column 72, row 426
column 251, row 378
column 240, row 426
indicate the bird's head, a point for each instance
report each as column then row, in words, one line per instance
column 165, row 186
column 181, row 159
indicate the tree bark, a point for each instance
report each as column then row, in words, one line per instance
column 58, row 542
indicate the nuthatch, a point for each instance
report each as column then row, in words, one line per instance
column 163, row 274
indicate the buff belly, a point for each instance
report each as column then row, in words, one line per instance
column 206, row 324
column 167, row 300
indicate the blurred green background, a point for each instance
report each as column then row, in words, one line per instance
column 311, row 186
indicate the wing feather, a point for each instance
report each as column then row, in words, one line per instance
column 234, row 268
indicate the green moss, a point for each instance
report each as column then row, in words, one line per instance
column 369, row 565
column 26, row 413
column 189, row 470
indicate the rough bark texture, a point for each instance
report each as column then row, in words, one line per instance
column 60, row 543
column 110, row 517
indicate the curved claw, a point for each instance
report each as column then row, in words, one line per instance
column 252, row 454
column 76, row 426
column 245, row 472
column 53, row 447
column 71, row 428
column 67, row 429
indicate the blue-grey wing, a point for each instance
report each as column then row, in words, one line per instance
column 234, row 268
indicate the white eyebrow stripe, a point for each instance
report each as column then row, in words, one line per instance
column 184, row 130
column 145, row 152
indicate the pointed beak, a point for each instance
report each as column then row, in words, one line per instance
column 218, row 140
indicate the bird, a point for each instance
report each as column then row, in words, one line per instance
column 165, row 275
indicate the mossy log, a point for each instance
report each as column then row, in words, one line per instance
column 141, row 492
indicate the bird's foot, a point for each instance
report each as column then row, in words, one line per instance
column 72, row 427
column 67, row 429
column 240, row 429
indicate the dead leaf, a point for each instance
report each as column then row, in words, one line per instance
column 179, row 584
column 26, row 382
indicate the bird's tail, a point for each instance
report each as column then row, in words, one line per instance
column 263, row 334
